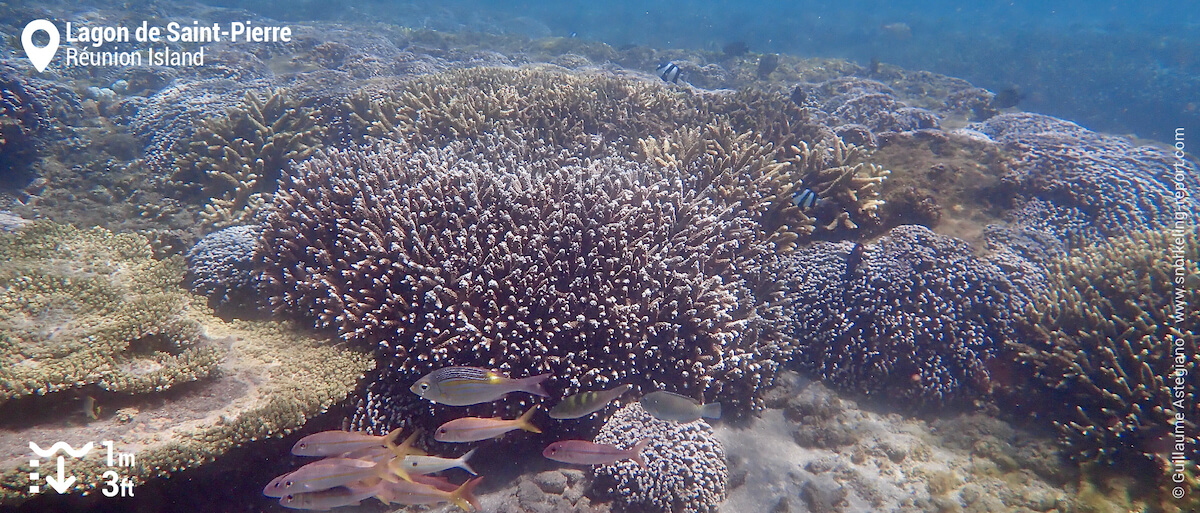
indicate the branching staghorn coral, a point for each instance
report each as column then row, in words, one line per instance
column 1110, row 346
column 582, row 111
column 598, row 271
column 237, row 157
column 761, row 178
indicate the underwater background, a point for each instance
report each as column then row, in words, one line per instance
column 868, row 256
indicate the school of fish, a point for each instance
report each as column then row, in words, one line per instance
column 358, row 466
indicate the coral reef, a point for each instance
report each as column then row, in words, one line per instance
column 586, row 112
column 89, row 315
column 272, row 379
column 747, row 169
column 913, row 316
column 90, row 308
column 29, row 108
column 685, row 464
column 861, row 109
column 221, row 266
column 242, row 154
column 1112, row 185
column 518, row 257
column 1105, row 344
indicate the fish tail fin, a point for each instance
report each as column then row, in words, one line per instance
column 533, row 384
column 637, row 452
column 392, row 436
column 404, row 449
column 523, row 421
column 462, row 462
column 464, row 496
column 711, row 410
column 392, row 469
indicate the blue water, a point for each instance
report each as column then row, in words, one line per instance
column 1120, row 66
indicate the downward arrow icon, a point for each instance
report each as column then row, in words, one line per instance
column 60, row 485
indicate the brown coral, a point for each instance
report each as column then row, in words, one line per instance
column 1113, row 349
column 237, row 157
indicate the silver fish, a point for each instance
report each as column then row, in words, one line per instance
column 463, row 386
column 421, row 465
column 668, row 406
column 585, row 403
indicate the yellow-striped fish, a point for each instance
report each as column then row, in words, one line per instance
column 474, row 429
column 463, row 386
column 585, row 403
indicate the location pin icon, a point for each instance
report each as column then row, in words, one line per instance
column 40, row 57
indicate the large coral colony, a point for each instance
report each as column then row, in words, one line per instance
column 575, row 234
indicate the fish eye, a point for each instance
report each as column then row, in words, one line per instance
column 288, row 484
column 289, row 498
column 442, row 431
column 424, row 386
column 413, row 464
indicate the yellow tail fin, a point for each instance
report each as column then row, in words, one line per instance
column 523, row 421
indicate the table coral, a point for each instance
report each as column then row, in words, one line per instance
column 87, row 307
column 89, row 314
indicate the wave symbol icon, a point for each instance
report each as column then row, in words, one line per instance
column 63, row 446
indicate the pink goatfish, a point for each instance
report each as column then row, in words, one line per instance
column 474, row 429
column 463, row 386
column 417, row 493
column 333, row 443
column 338, row 471
column 583, row 452
column 350, row 494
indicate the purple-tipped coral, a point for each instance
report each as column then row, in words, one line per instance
column 1104, row 181
column 685, row 464
column 914, row 316
column 525, row 259
column 221, row 266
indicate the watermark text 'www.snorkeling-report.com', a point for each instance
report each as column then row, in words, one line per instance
column 1182, row 226
column 174, row 44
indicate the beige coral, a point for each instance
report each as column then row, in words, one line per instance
column 130, row 339
column 241, row 153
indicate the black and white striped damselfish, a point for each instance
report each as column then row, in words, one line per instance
column 585, row 403
column 463, row 386
column 669, row 72
column 804, row 198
